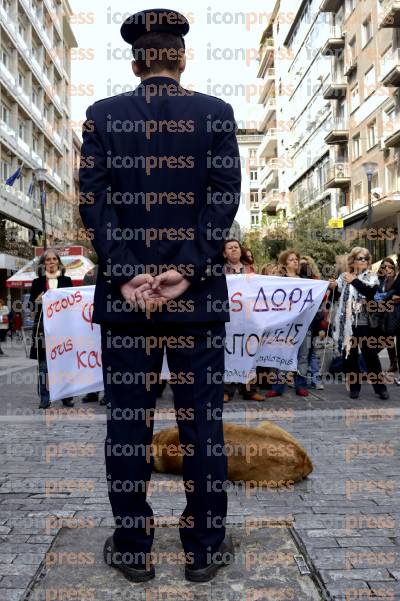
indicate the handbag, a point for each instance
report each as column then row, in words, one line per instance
column 336, row 366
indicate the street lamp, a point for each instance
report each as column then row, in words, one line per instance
column 40, row 176
column 370, row 169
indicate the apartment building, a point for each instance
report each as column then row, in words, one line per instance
column 336, row 68
column 365, row 57
column 35, row 123
column 272, row 199
column 249, row 215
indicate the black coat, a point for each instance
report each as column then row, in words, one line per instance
column 38, row 347
column 175, row 185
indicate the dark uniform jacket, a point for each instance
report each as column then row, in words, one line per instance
column 38, row 347
column 160, row 185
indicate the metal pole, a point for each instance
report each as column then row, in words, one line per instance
column 41, row 185
column 369, row 215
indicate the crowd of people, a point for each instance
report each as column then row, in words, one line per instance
column 357, row 320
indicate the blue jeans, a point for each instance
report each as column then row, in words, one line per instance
column 314, row 364
column 43, row 392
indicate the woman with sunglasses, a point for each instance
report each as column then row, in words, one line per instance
column 354, row 328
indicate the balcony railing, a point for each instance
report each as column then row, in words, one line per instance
column 271, row 167
column 335, row 41
column 392, row 133
column 338, row 132
column 391, row 69
column 389, row 13
column 267, row 148
column 338, row 176
column 331, row 6
column 268, row 82
column 335, row 89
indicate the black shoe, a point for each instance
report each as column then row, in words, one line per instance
column 133, row 574
column 91, row 397
column 383, row 395
column 44, row 404
column 68, row 402
column 103, row 401
column 354, row 394
column 222, row 557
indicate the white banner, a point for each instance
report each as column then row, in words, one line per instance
column 269, row 318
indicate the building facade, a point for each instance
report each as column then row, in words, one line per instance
column 249, row 215
column 35, row 126
column 331, row 75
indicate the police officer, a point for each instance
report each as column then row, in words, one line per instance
column 159, row 189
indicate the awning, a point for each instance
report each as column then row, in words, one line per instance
column 77, row 266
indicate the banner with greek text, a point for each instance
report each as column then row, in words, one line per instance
column 269, row 316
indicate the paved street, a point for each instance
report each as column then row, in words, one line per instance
column 344, row 519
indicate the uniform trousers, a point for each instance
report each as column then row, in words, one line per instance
column 132, row 356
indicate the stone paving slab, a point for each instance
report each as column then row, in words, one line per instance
column 264, row 569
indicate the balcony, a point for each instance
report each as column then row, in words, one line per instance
column 392, row 133
column 351, row 67
column 336, row 89
column 269, row 112
column 338, row 132
column 269, row 80
column 391, row 69
column 330, row 6
column 271, row 200
column 269, row 172
column 268, row 146
column 266, row 55
column 338, row 176
column 389, row 14
column 334, row 43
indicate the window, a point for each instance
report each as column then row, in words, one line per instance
column 357, row 195
column 372, row 134
column 354, row 98
column 5, row 56
column 392, row 177
column 356, row 147
column 255, row 220
column 5, row 170
column 252, row 153
column 5, row 114
column 375, row 181
column 370, row 82
column 253, row 175
column 253, row 197
column 389, row 121
column 35, row 143
column 35, row 96
column 21, row 129
column 22, row 30
column 352, row 49
column 350, row 6
column 366, row 31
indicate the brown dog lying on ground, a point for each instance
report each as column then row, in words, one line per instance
column 260, row 455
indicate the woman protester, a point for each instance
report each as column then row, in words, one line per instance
column 387, row 279
column 236, row 262
column 355, row 326
column 51, row 274
column 289, row 266
column 4, row 323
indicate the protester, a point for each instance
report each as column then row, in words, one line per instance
column 309, row 269
column 50, row 271
column 89, row 279
column 387, row 279
column 236, row 263
column 249, row 257
column 354, row 327
column 268, row 268
column 236, row 260
column 4, row 323
column 289, row 266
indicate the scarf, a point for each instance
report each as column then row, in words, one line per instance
column 351, row 304
column 51, row 280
